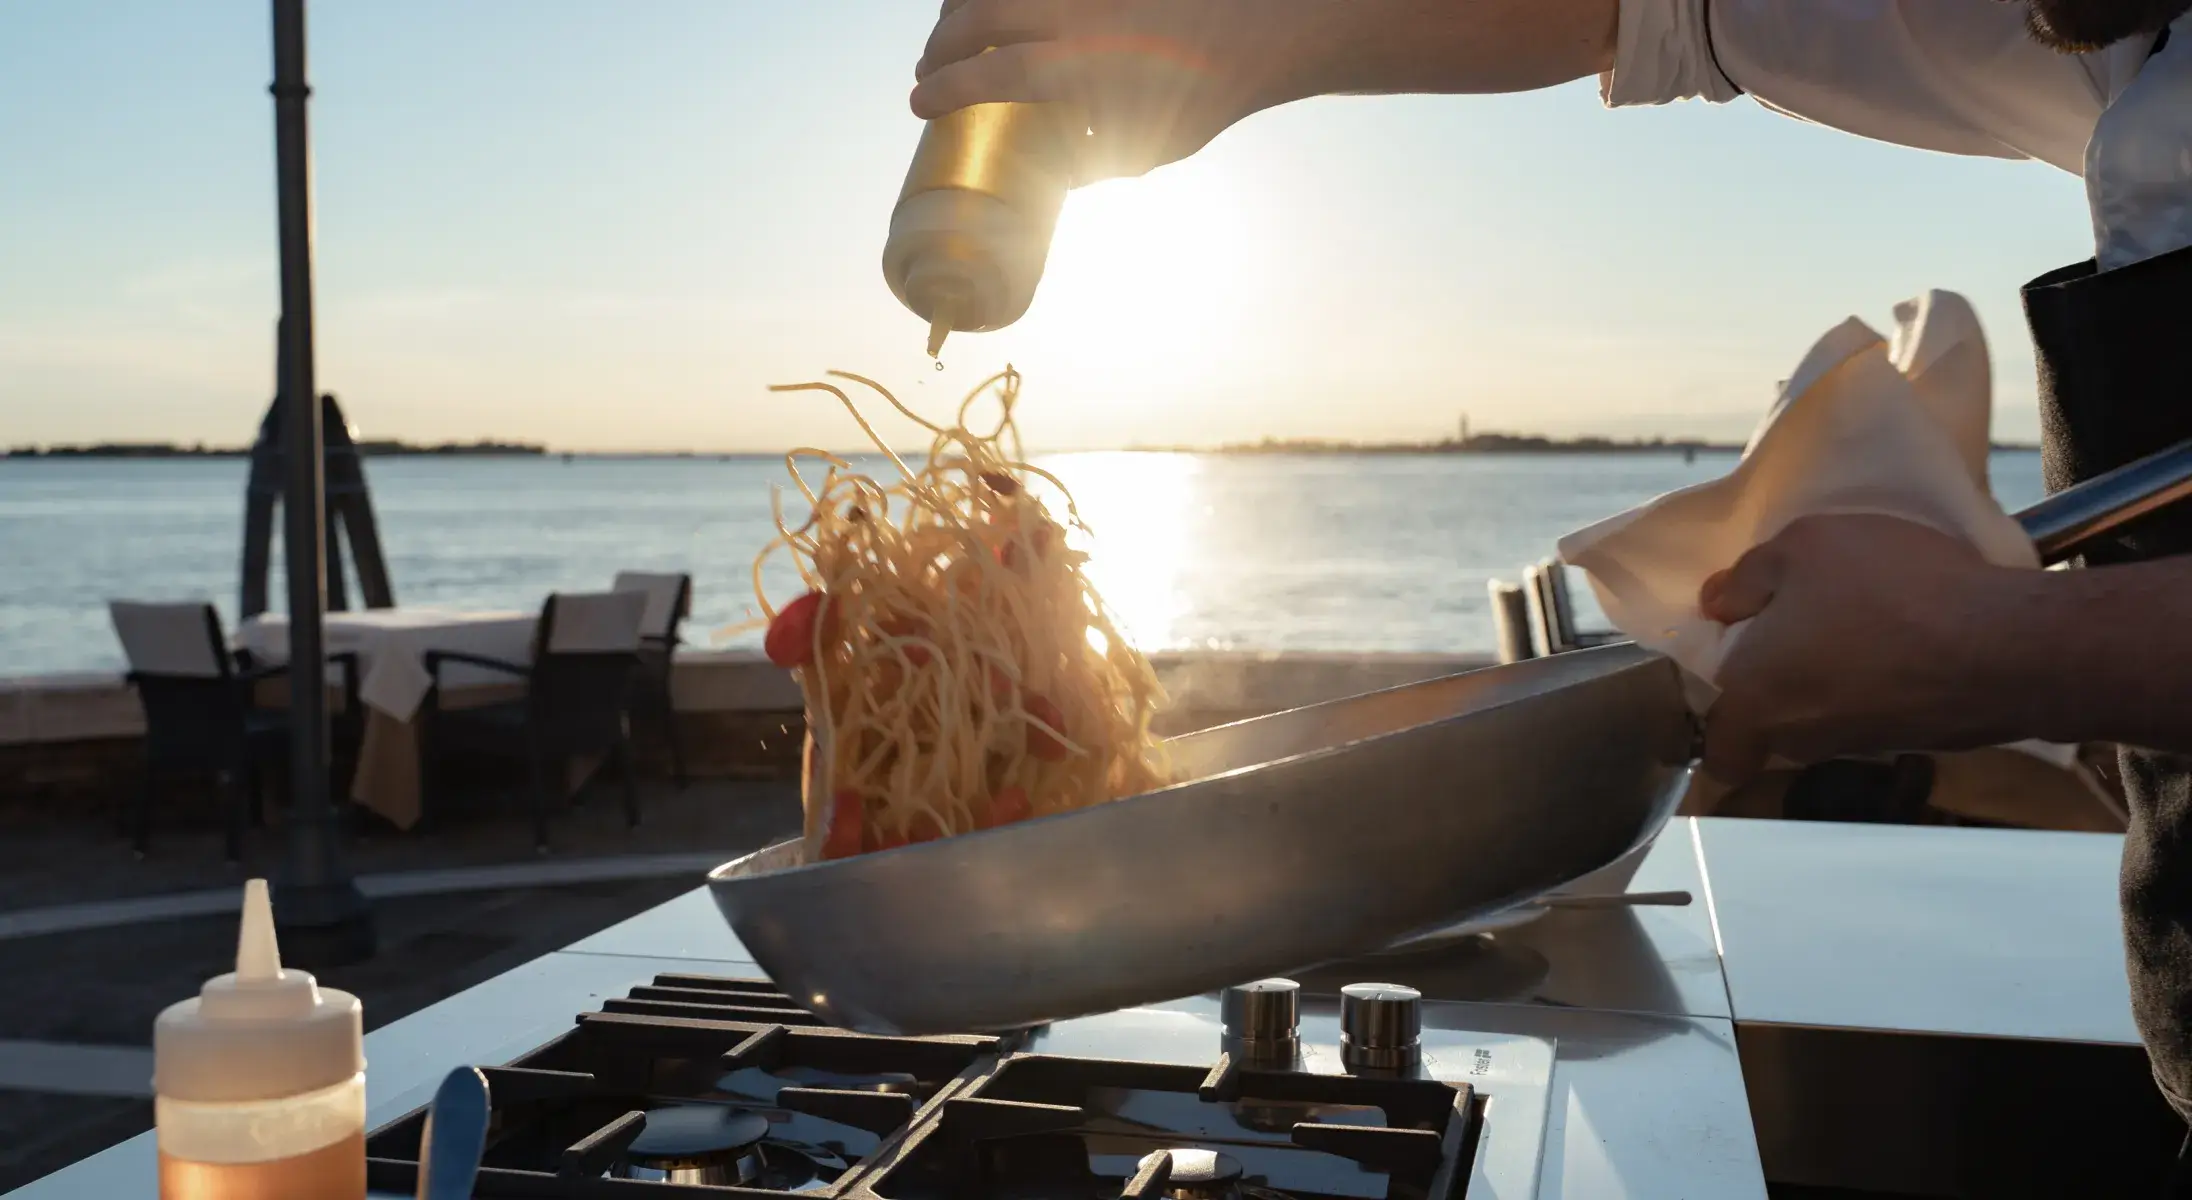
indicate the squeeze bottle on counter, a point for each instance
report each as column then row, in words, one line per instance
column 259, row 1081
column 972, row 228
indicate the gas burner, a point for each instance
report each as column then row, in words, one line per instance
column 710, row 1146
column 1185, row 1174
column 696, row 1143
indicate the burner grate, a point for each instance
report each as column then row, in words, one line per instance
column 1053, row 1126
column 857, row 1117
column 566, row 1116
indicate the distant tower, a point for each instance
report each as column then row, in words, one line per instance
column 1465, row 429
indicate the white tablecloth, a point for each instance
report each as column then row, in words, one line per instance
column 391, row 645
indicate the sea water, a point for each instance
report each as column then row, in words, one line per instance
column 1325, row 552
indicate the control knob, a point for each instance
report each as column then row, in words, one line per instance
column 1262, row 1022
column 1381, row 1026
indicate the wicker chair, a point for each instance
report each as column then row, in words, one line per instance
column 201, row 713
column 578, row 695
column 669, row 602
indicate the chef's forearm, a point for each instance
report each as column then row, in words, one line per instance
column 1454, row 46
column 2098, row 655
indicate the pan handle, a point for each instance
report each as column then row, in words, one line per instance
column 2074, row 518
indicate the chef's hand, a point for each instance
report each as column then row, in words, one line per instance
column 1866, row 634
column 1159, row 78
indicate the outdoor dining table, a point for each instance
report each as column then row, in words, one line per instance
column 391, row 645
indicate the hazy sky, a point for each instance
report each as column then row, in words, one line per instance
column 609, row 223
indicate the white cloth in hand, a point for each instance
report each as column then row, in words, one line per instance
column 1895, row 427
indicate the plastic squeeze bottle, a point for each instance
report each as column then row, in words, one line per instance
column 259, row 1081
column 972, row 228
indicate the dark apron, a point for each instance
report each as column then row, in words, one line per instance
column 2115, row 355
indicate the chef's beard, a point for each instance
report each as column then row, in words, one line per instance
column 2079, row 25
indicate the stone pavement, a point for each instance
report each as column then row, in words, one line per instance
column 76, row 1015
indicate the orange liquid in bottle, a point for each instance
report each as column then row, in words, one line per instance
column 335, row 1172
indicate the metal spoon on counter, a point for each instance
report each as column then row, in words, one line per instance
column 1523, row 914
column 454, row 1137
column 1619, row 900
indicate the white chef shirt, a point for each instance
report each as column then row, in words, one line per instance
column 1960, row 76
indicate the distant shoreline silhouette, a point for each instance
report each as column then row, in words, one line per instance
column 1493, row 443
column 388, row 449
column 1483, row 443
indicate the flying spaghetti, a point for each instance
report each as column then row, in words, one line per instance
column 958, row 668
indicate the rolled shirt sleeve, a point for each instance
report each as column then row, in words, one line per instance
column 1959, row 76
column 1664, row 52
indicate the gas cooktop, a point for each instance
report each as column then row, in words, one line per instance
column 696, row 1086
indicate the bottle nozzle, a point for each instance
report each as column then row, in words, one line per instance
column 258, row 953
column 939, row 329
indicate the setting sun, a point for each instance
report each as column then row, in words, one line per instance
column 1166, row 269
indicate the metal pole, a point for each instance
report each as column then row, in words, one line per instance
column 323, row 917
column 1511, row 621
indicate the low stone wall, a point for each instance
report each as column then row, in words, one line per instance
column 738, row 715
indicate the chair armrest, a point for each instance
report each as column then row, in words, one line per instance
column 247, row 674
column 435, row 658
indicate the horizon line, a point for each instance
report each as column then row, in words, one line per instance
column 494, row 448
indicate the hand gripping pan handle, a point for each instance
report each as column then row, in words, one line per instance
column 2076, row 517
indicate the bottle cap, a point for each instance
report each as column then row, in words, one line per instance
column 261, row 1032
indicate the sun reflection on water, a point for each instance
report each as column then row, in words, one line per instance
column 1137, row 508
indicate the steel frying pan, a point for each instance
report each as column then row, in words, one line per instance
column 1307, row 836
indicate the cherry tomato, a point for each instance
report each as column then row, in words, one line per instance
column 790, row 640
column 925, row 829
column 1008, row 555
column 1039, row 741
column 909, row 627
column 1008, row 805
column 848, row 815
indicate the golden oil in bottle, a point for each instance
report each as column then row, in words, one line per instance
column 259, row 1080
column 972, row 228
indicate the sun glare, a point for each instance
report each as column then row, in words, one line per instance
column 1134, row 506
column 1164, row 269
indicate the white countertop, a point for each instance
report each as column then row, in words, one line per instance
column 1978, row 932
column 1927, row 930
